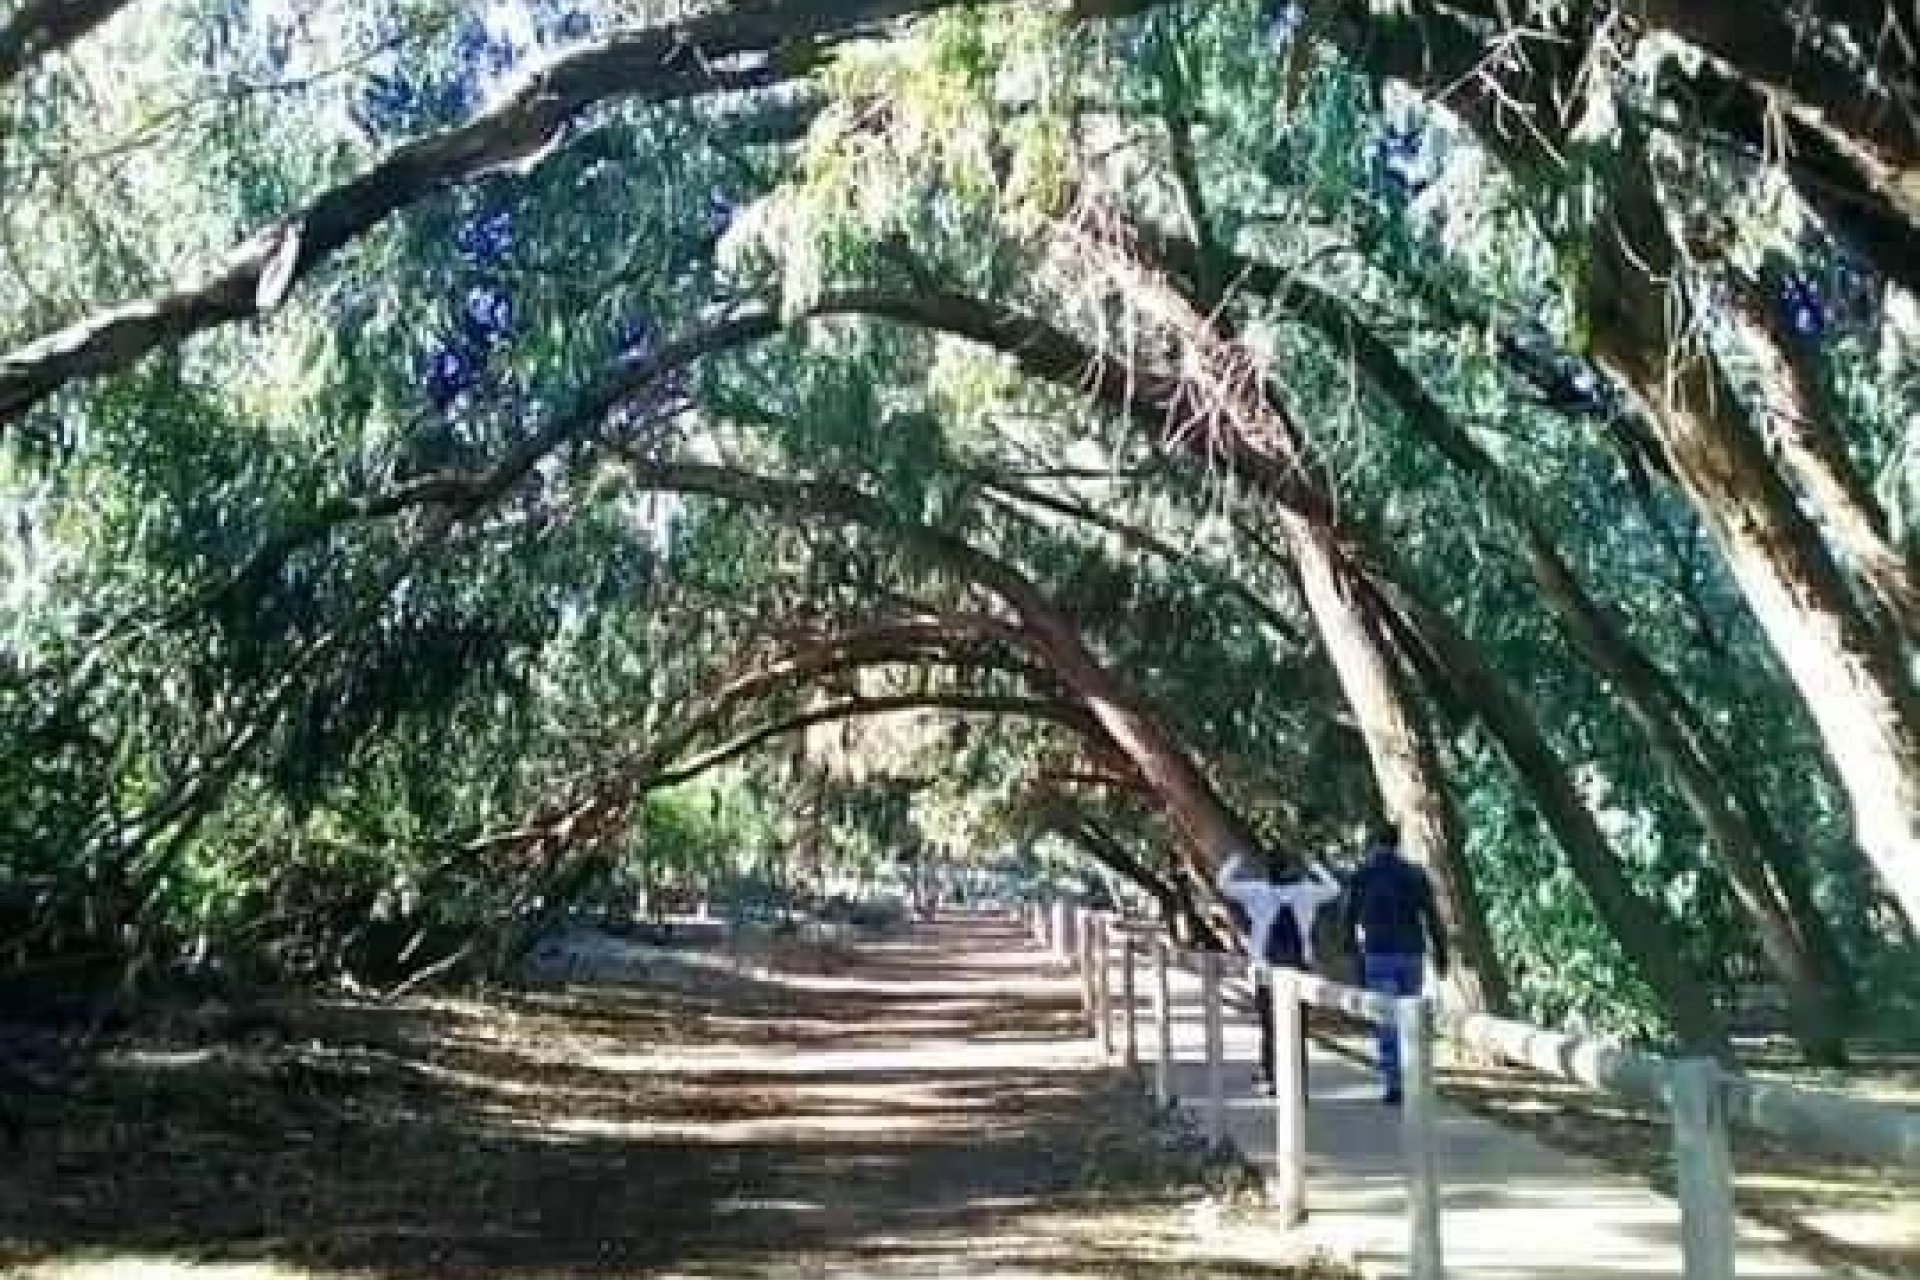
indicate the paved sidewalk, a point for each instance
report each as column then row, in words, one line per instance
column 1514, row 1209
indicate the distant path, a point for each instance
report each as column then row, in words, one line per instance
column 1514, row 1208
column 929, row 1106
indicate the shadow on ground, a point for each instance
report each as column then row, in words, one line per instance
column 1843, row 1214
column 923, row 1107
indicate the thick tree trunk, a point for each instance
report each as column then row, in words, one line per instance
column 1852, row 151
column 1808, row 442
column 1771, row 56
column 1638, row 925
column 40, row 27
column 1213, row 830
column 1786, row 921
column 1405, row 764
column 1847, row 670
column 1784, row 916
column 1263, row 447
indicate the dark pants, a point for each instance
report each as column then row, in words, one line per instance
column 1263, row 1009
column 1398, row 976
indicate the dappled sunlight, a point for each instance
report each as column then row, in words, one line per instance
column 761, row 1128
column 945, row 1056
column 144, row 1266
column 789, row 1127
column 1839, row 1213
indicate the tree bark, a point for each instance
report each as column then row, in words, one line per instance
column 1765, row 48
column 1770, row 54
column 1405, row 764
column 1177, row 908
column 1848, row 671
column 1257, row 440
column 1638, row 925
column 1792, row 933
column 40, row 27
column 747, row 44
column 1212, row 830
column 1873, row 208
column 1852, row 153
column 1803, row 434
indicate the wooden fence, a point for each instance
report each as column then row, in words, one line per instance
column 1700, row 1098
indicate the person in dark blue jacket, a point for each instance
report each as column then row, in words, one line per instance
column 1390, row 907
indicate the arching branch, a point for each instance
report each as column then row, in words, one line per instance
column 1070, row 822
column 1213, row 830
column 1142, row 540
column 41, row 27
column 1054, row 711
column 969, row 642
column 610, row 796
column 1154, row 399
column 747, row 44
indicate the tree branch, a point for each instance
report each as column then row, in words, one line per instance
column 748, row 44
column 1140, row 539
column 40, row 27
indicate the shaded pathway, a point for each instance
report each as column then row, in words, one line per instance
column 932, row 1107
column 1514, row 1208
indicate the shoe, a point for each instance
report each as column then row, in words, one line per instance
column 1262, row 1088
column 1390, row 1099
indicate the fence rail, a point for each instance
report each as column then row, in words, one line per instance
column 1701, row 1098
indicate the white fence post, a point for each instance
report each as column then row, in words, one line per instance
column 1083, row 949
column 1162, row 1024
column 1061, row 952
column 1703, row 1169
column 1413, row 1019
column 1103, row 982
column 1216, row 1048
column 1129, row 1001
column 1289, row 1192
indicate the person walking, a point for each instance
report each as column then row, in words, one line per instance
column 1276, row 912
column 1391, row 912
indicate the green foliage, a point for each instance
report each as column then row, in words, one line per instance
column 255, row 730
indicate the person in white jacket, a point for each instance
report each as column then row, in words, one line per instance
column 1278, row 916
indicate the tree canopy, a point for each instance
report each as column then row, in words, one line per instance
column 459, row 459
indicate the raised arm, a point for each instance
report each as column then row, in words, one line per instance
column 1321, row 886
column 1237, row 877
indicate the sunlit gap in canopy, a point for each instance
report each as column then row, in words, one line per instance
column 158, row 1266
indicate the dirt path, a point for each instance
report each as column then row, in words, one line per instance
column 928, row 1109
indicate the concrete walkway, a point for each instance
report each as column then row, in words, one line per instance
column 1513, row 1208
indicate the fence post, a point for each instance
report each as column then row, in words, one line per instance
column 1216, row 1049
column 1103, row 982
column 1060, row 951
column 1083, row 949
column 1289, row 1192
column 1413, row 1019
column 1162, row 1025
column 1703, row 1168
column 1129, row 997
